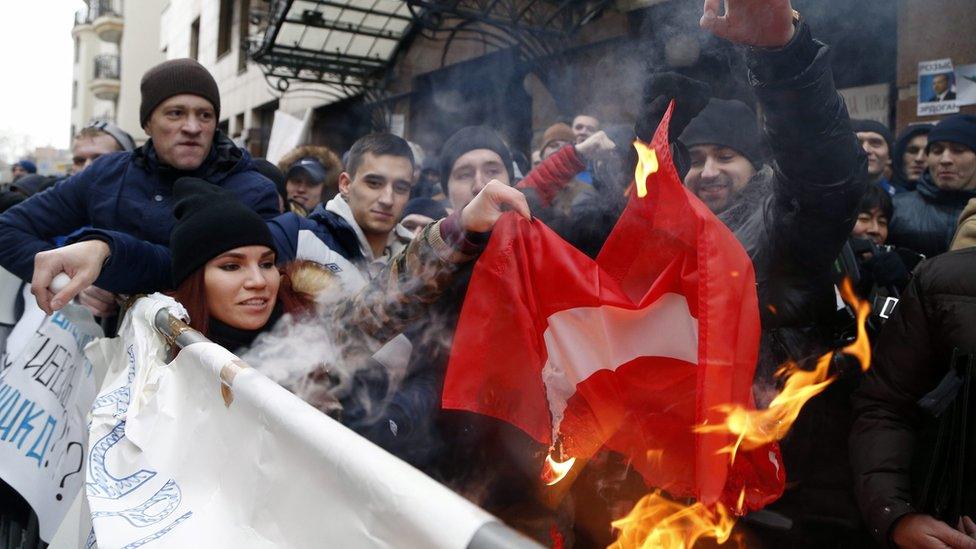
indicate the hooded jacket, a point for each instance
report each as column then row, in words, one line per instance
column 925, row 219
column 397, row 240
column 936, row 314
column 127, row 200
column 329, row 160
column 899, row 179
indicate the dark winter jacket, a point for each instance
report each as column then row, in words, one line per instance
column 936, row 314
column 126, row 198
column 793, row 221
column 925, row 219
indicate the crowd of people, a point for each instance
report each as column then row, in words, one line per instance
column 381, row 240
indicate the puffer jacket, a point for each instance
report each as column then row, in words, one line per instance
column 936, row 314
column 925, row 219
column 126, row 199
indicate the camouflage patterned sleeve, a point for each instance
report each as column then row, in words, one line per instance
column 408, row 284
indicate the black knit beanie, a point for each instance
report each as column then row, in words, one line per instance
column 210, row 221
column 727, row 123
column 175, row 77
column 424, row 206
column 958, row 128
column 875, row 127
column 469, row 139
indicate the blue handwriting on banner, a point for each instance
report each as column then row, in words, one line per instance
column 23, row 420
column 104, row 484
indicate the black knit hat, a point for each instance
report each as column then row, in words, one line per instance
column 424, row 206
column 875, row 127
column 175, row 77
column 958, row 128
column 469, row 139
column 728, row 123
column 210, row 221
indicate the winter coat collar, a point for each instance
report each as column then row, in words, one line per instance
column 225, row 158
column 931, row 193
column 397, row 241
column 235, row 339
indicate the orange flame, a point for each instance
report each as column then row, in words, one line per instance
column 754, row 428
column 861, row 347
column 646, row 165
column 660, row 523
column 554, row 471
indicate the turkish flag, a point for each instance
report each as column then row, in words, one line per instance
column 628, row 352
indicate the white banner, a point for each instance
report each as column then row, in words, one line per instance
column 176, row 462
column 46, row 388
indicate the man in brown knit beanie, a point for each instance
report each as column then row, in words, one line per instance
column 125, row 199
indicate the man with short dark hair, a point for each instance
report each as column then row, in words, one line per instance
column 585, row 125
column 127, row 197
column 876, row 140
column 942, row 88
column 356, row 233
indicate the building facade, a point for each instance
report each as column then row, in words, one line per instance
column 115, row 43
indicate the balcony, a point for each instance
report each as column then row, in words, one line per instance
column 106, row 18
column 105, row 84
column 82, row 23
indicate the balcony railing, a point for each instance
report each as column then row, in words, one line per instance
column 107, row 67
column 82, row 17
column 100, row 8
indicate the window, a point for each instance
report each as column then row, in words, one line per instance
column 224, row 26
column 244, row 28
column 238, row 125
column 195, row 39
column 77, row 49
column 224, row 126
column 74, row 94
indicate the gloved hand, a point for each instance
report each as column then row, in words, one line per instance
column 888, row 270
column 691, row 95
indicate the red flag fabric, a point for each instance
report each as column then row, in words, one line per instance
column 628, row 352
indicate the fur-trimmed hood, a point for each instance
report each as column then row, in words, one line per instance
column 324, row 155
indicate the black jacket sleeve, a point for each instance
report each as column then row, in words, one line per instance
column 819, row 175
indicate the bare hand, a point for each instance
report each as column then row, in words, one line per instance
column 761, row 23
column 100, row 302
column 81, row 261
column 918, row 531
column 596, row 147
column 481, row 213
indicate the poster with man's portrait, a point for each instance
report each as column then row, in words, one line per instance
column 936, row 88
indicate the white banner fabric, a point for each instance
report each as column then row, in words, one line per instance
column 46, row 388
column 175, row 463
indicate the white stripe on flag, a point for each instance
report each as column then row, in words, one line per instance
column 585, row 340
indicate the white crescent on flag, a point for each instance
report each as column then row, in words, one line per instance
column 585, row 340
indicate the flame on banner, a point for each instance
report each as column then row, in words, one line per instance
column 660, row 523
column 554, row 471
column 646, row 165
column 754, row 428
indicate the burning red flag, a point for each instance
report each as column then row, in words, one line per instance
column 631, row 351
